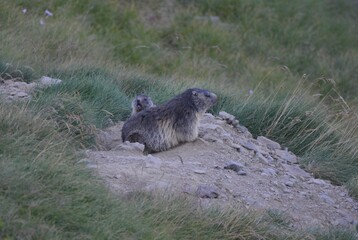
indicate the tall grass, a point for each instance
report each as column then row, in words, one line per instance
column 45, row 193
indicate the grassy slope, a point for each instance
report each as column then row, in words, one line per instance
column 91, row 44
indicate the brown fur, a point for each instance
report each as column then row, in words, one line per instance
column 162, row 127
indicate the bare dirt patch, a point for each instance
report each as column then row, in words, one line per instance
column 225, row 166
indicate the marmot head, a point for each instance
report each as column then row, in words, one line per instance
column 140, row 103
column 202, row 99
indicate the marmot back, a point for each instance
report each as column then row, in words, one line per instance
column 162, row 127
column 140, row 103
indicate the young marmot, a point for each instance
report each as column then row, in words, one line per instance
column 165, row 126
column 140, row 103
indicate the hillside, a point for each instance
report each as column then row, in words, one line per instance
column 287, row 71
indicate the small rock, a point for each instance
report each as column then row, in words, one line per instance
column 233, row 165
column 153, row 162
column 242, row 173
column 296, row 171
column 262, row 159
column 224, row 115
column 289, row 183
column 286, row 156
column 269, row 172
column 249, row 145
column 199, row 171
column 8, row 82
column 325, row 198
column 230, row 119
column 205, row 191
column 22, row 94
column 130, row 146
column 268, row 143
column 47, row 81
column 342, row 194
column 317, row 181
column 244, row 130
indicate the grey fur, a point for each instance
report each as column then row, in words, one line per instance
column 162, row 127
column 140, row 103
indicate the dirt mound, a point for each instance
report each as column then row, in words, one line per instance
column 226, row 166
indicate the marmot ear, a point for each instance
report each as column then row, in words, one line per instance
column 195, row 93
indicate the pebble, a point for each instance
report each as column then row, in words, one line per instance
column 269, row 172
column 286, row 156
column 206, row 191
column 153, row 162
column 289, row 183
column 249, row 145
column 199, row 171
column 227, row 116
column 268, row 143
column 47, row 81
column 325, row 198
column 234, row 165
column 262, row 159
column 317, row 181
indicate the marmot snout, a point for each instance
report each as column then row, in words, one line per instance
column 140, row 103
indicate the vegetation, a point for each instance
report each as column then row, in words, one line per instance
column 299, row 60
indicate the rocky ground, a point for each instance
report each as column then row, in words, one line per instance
column 225, row 166
column 15, row 89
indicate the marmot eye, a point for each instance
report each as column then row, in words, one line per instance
column 195, row 93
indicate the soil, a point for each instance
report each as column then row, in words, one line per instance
column 225, row 166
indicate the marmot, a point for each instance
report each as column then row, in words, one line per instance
column 165, row 126
column 140, row 103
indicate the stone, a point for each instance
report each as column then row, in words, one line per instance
column 317, row 181
column 249, row 145
column 206, row 191
column 153, row 162
column 325, row 198
column 22, row 94
column 269, row 172
column 289, row 183
column 244, row 130
column 198, row 171
column 233, row 165
column 296, row 171
column 131, row 146
column 47, row 81
column 268, row 143
column 241, row 173
column 226, row 116
column 286, row 156
column 262, row 159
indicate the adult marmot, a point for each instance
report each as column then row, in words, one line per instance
column 140, row 103
column 165, row 126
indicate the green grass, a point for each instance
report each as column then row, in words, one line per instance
column 299, row 58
